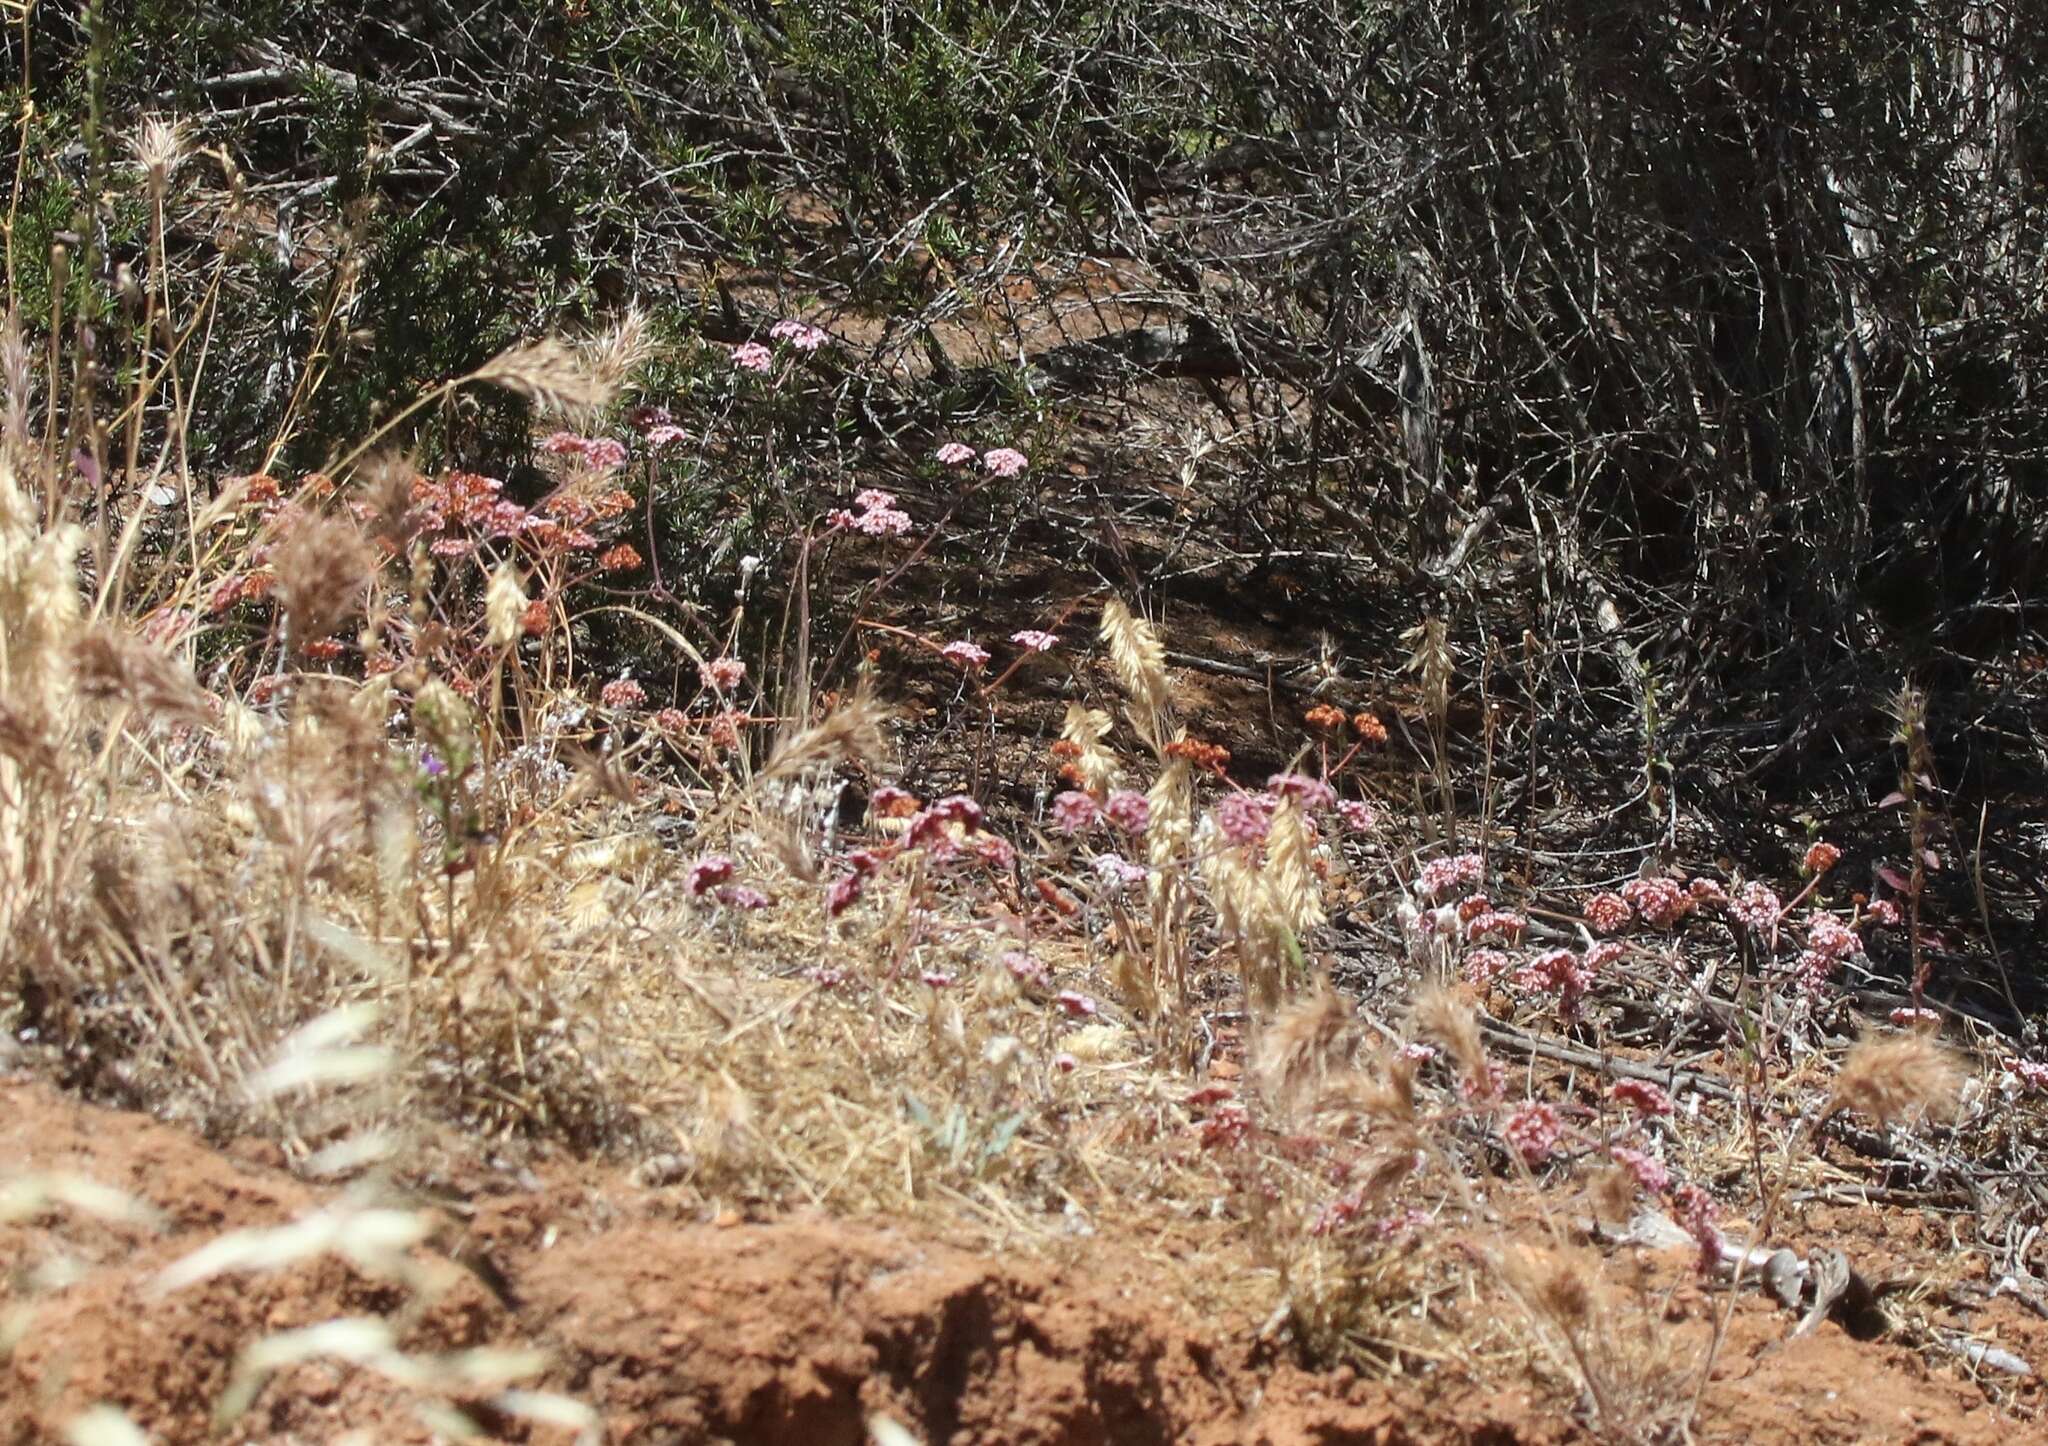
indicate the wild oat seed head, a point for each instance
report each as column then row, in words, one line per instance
column 1898, row 1078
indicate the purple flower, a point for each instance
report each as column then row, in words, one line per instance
column 707, row 873
column 1074, row 812
column 1243, row 818
column 1129, row 810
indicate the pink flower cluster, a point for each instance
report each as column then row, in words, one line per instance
column 1661, row 902
column 1128, row 810
column 622, row 694
column 1829, row 942
column 1075, row 812
column 1559, row 972
column 724, row 674
column 954, row 454
column 1608, row 913
column 1641, row 1096
column 1460, row 874
column 1243, row 818
column 707, row 873
column 1357, row 816
column 1821, row 857
column 751, row 356
column 1034, row 641
column 1004, row 462
column 1649, row 1172
column 1535, row 1130
column 803, row 337
column 1311, row 793
column 1757, row 906
column 875, row 514
column 965, row 655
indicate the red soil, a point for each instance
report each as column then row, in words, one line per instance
column 793, row 1331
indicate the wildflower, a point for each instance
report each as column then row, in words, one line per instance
column 878, row 516
column 323, row 650
column 1707, row 891
column 1129, row 810
column 1226, row 1127
column 1209, row 757
column 1821, row 857
column 605, row 454
column 644, row 418
column 954, row 454
column 1243, row 818
column 622, row 693
column 1118, row 872
column 1641, row 1096
column 965, row 655
column 1757, row 906
column 1481, row 1088
column 1882, row 911
column 751, row 356
column 1416, row 1053
column 1914, row 1018
column 1310, row 793
column 431, row 764
column 1557, row 971
column 1607, row 913
column 1661, row 902
column 1032, row 640
column 707, row 873
column 1077, row 1006
column 936, row 979
column 1026, row 970
column 928, row 826
column 1499, row 923
column 842, row 893
column 1443, row 876
column 563, row 444
column 874, row 499
column 665, row 436
column 671, row 720
column 1324, row 717
column 1356, row 816
column 623, row 558
column 741, row 896
column 1696, row 1212
column 724, row 674
column 1649, row 1172
column 1534, row 1130
column 1065, row 1063
column 1075, row 812
column 2030, row 1073
column 725, row 729
column 534, row 621
column 1369, row 728
column 1004, row 462
column 1483, row 966
column 996, row 852
column 799, row 335
column 1828, row 935
column 451, row 547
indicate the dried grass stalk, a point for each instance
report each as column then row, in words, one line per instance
column 323, row 569
column 1140, row 662
column 552, row 373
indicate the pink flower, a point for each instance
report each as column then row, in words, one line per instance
column 1358, row 817
column 1534, row 1130
column 936, row 979
column 724, row 674
column 1641, row 1096
column 874, row 499
column 1243, row 818
column 668, row 434
column 1557, row 971
column 1128, row 810
column 605, row 454
column 1065, row 1063
column 799, row 335
column 451, row 547
column 1608, row 913
column 1822, row 857
column 1004, row 462
column 954, row 454
column 1035, row 641
column 741, row 896
column 1707, row 891
column 965, row 655
column 2031, row 1073
column 1418, row 1053
column 1498, row 923
column 1757, row 905
column 1696, row 1212
column 1444, row 876
column 1311, row 793
column 1026, row 970
column 751, row 356
column 1882, row 911
column 1826, row 934
column 1661, row 902
column 1074, row 812
column 622, row 693
column 842, row 893
column 1914, row 1018
column 1650, row 1173
column 877, row 517
column 1483, row 966
column 707, row 873
column 1077, row 1006
column 1118, row 872
column 563, row 444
